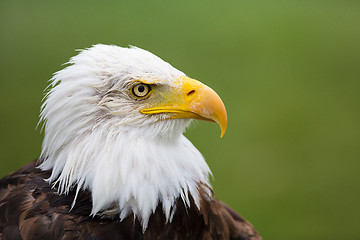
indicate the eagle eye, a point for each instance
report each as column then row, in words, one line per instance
column 141, row 90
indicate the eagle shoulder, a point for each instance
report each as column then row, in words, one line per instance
column 26, row 207
column 238, row 228
column 224, row 223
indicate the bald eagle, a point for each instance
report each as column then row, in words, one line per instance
column 114, row 162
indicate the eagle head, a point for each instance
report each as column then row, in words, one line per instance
column 114, row 122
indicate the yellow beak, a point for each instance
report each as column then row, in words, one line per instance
column 192, row 99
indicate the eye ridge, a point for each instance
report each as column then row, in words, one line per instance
column 141, row 90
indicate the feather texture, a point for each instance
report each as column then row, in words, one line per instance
column 31, row 209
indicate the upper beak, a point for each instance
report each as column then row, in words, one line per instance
column 192, row 99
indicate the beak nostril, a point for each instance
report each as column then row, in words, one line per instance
column 191, row 93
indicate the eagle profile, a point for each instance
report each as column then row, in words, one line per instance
column 115, row 163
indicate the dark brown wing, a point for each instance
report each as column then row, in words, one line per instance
column 25, row 207
column 222, row 222
column 238, row 227
column 31, row 209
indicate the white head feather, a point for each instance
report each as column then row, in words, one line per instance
column 97, row 139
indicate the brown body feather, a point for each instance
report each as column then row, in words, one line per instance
column 31, row 209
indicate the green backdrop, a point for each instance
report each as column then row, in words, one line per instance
column 287, row 71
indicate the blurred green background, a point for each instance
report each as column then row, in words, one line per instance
column 287, row 71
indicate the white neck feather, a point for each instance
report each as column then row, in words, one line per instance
column 129, row 170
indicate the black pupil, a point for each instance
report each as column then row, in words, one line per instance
column 141, row 88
